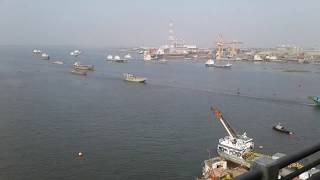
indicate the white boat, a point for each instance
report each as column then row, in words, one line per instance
column 57, row 62
column 257, row 58
column 133, row 78
column 44, row 56
column 36, row 51
column 116, row 57
column 110, row 57
column 75, row 53
column 128, row 56
column 211, row 63
column 119, row 60
column 147, row 57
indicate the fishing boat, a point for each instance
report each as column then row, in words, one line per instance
column 133, row 78
column 211, row 63
column 282, row 129
column 44, row 56
column 57, row 62
column 316, row 100
column 78, row 72
column 79, row 66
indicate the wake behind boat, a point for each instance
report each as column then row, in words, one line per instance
column 132, row 78
column 211, row 63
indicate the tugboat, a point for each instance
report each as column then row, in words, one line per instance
column 79, row 66
column 132, row 78
column 282, row 129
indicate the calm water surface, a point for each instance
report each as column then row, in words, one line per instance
column 159, row 130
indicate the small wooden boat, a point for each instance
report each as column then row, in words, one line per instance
column 133, row 78
column 282, row 129
column 79, row 66
column 79, row 72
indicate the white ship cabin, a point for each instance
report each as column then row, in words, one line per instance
column 235, row 146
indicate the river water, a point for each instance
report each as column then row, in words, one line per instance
column 159, row 130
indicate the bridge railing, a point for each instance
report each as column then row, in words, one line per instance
column 271, row 169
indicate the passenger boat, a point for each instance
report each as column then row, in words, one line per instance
column 211, row 63
column 282, row 129
column 78, row 72
column 44, row 56
column 79, row 66
column 36, row 51
column 133, row 78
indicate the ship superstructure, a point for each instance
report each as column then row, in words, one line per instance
column 233, row 147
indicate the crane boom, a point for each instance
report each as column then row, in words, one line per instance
column 232, row 133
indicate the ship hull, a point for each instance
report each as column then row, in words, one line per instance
column 137, row 80
column 234, row 159
column 84, row 67
column 77, row 72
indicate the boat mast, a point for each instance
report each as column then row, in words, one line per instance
column 232, row 133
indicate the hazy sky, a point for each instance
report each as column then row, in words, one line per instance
column 145, row 22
